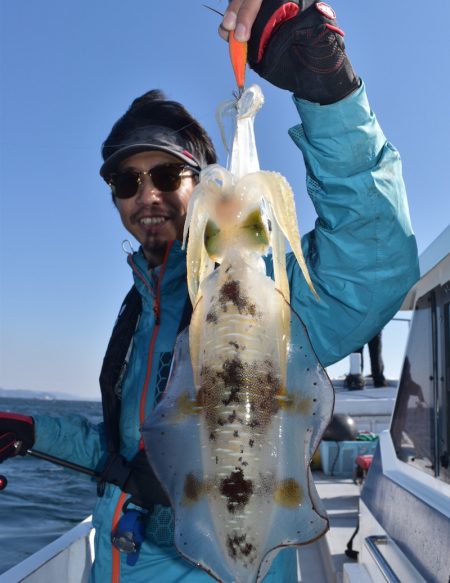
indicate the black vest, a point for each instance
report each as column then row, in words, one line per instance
column 136, row 476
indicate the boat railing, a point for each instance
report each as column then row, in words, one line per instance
column 71, row 554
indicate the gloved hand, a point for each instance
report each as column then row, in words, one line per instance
column 297, row 45
column 16, row 435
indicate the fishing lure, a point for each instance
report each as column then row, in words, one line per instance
column 238, row 58
column 247, row 400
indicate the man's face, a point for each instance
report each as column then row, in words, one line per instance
column 153, row 217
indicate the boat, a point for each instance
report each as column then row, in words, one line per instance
column 404, row 519
column 392, row 523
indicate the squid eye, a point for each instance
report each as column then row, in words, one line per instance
column 212, row 240
column 256, row 228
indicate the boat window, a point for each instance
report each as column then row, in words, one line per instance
column 413, row 423
column 444, row 454
column 421, row 421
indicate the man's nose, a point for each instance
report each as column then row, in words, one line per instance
column 147, row 191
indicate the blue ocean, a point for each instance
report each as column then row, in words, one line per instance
column 41, row 500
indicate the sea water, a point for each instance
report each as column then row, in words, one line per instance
column 41, row 501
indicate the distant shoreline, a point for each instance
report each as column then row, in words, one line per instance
column 41, row 395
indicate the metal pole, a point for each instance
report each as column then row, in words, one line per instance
column 64, row 463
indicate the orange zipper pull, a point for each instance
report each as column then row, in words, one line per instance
column 238, row 55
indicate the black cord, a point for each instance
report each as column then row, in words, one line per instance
column 350, row 553
column 333, row 465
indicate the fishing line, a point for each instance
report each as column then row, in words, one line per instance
column 214, row 10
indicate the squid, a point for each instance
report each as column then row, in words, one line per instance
column 247, row 399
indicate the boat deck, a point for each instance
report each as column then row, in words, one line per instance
column 370, row 407
column 323, row 560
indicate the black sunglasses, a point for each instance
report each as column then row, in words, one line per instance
column 165, row 177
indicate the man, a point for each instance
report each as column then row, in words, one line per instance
column 356, row 381
column 362, row 258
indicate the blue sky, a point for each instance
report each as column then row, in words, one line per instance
column 68, row 70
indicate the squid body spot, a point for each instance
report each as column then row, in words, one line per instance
column 193, row 489
column 304, row 406
column 237, row 490
column 186, row 406
column 289, row 493
column 238, row 547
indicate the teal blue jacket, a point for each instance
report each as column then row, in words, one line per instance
column 362, row 258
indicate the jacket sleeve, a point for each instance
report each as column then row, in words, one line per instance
column 72, row 438
column 362, row 253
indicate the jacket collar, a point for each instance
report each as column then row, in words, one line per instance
column 173, row 271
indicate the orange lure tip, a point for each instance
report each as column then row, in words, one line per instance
column 238, row 55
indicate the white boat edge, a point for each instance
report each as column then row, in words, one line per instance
column 71, row 554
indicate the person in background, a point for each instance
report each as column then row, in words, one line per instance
column 362, row 258
column 357, row 381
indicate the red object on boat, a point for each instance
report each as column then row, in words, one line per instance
column 364, row 461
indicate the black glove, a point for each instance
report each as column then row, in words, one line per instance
column 297, row 45
column 16, row 435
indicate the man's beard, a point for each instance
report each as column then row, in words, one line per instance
column 154, row 252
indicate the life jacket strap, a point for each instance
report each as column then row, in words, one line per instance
column 135, row 477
